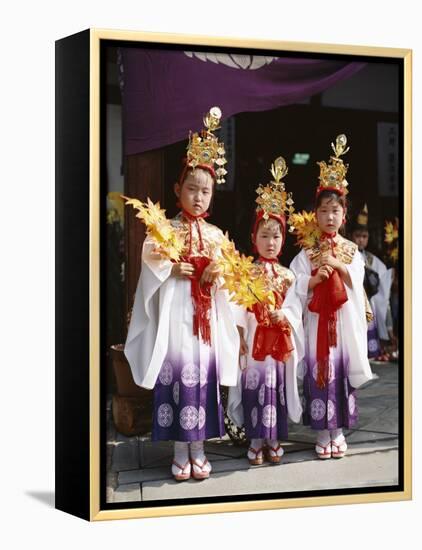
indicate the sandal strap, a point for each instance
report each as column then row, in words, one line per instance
column 323, row 447
column 181, row 468
column 255, row 451
column 195, row 463
column 338, row 445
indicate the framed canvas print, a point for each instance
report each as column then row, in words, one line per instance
column 233, row 274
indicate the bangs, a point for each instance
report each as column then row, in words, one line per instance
column 201, row 176
column 271, row 224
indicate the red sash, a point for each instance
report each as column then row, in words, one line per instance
column 201, row 294
column 201, row 298
column 328, row 297
column 271, row 339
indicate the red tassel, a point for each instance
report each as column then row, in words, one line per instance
column 332, row 332
column 322, row 374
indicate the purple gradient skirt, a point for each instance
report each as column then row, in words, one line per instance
column 374, row 348
column 264, row 401
column 187, row 403
column 333, row 406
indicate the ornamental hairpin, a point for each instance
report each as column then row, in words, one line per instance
column 333, row 175
column 204, row 149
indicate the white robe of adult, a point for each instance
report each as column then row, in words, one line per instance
column 381, row 300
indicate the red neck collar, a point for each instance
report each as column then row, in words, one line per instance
column 269, row 260
column 328, row 235
column 192, row 217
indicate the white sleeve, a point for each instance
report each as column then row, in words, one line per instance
column 354, row 325
column 380, row 301
column 234, row 402
column 378, row 266
column 293, row 310
column 159, row 266
column 240, row 316
column 228, row 341
column 301, row 268
column 145, row 347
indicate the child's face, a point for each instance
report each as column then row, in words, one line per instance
column 329, row 215
column 269, row 240
column 196, row 192
column 360, row 238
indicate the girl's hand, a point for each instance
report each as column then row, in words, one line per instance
column 182, row 270
column 329, row 260
column 210, row 273
column 334, row 263
column 320, row 276
column 243, row 348
column 277, row 316
column 324, row 273
column 155, row 256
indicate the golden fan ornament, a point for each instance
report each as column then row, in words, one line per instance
column 243, row 278
column 168, row 243
column 304, row 226
column 391, row 238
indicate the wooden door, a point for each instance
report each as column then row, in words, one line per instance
column 144, row 177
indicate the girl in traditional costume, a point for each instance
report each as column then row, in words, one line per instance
column 175, row 344
column 271, row 333
column 330, row 273
column 377, row 282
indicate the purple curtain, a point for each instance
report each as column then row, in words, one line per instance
column 166, row 93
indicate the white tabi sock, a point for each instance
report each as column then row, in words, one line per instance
column 197, row 454
column 338, row 443
column 323, row 437
column 337, row 435
column 274, row 443
column 257, row 445
column 181, row 456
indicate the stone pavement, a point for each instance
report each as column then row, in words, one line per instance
column 140, row 470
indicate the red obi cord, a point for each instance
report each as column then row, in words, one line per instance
column 271, row 339
column 201, row 294
column 328, row 297
column 201, row 298
column 194, row 219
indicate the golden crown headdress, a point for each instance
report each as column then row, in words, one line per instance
column 204, row 149
column 273, row 197
column 333, row 174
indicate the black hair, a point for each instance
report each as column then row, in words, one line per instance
column 357, row 227
column 331, row 195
